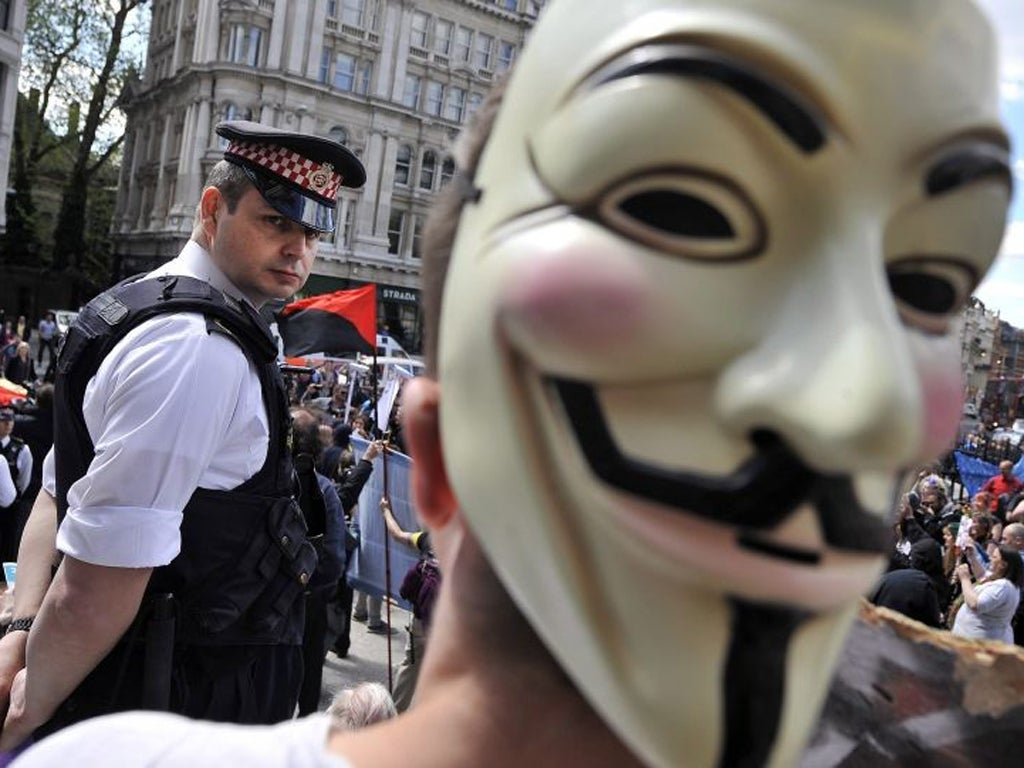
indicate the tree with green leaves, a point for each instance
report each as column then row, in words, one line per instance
column 78, row 56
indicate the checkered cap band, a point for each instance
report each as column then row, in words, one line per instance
column 319, row 178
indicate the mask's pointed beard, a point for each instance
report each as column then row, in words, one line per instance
column 754, row 689
column 758, row 496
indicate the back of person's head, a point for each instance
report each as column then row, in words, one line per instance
column 926, row 556
column 361, row 705
column 1014, row 566
column 341, row 435
column 305, row 433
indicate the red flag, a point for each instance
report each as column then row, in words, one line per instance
column 332, row 324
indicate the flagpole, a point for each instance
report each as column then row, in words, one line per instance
column 387, row 565
column 387, row 536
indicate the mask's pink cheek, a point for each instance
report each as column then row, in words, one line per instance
column 943, row 404
column 576, row 301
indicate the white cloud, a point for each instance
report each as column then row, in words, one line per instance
column 1003, row 289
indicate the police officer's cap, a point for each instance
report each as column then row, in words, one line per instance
column 298, row 175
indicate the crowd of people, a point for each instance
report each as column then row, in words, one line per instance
column 17, row 363
column 959, row 565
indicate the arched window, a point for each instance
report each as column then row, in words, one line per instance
column 403, row 165
column 427, row 169
column 233, row 112
column 447, row 170
column 338, row 134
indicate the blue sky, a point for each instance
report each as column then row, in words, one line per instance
column 1003, row 289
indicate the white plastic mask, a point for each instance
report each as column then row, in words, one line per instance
column 698, row 323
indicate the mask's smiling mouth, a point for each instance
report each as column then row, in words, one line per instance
column 756, row 497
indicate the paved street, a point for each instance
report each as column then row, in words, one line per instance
column 367, row 657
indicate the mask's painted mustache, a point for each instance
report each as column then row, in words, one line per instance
column 758, row 496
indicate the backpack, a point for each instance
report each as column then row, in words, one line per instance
column 421, row 586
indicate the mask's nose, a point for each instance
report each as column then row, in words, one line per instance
column 833, row 374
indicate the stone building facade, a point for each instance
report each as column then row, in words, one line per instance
column 12, row 33
column 392, row 79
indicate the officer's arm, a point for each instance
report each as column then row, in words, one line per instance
column 24, row 468
column 36, row 558
column 86, row 610
column 8, row 493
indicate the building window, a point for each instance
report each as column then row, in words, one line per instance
column 463, row 44
column 484, row 43
column 244, row 44
column 456, row 108
column 443, row 37
column 396, row 223
column 346, row 221
column 5, row 13
column 506, row 55
column 234, row 112
column 434, row 99
column 325, row 65
column 475, row 99
column 447, row 170
column 332, row 8
column 417, row 235
column 344, row 72
column 419, row 29
column 411, row 95
column 510, row 5
column 427, row 170
column 353, row 12
column 365, row 75
column 403, row 165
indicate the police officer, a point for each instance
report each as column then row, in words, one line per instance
column 184, row 551
column 19, row 461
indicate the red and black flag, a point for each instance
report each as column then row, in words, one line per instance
column 331, row 324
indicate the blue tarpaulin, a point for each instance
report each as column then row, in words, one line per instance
column 366, row 573
column 974, row 472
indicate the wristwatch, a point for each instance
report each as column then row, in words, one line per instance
column 20, row 625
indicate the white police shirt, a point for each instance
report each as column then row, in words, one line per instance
column 8, row 493
column 172, row 408
column 24, row 463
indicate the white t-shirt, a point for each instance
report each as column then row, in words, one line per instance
column 172, row 408
column 997, row 602
column 160, row 740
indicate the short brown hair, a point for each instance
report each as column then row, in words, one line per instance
column 443, row 222
column 231, row 181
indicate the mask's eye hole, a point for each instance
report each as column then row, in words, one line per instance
column 685, row 214
column 929, row 291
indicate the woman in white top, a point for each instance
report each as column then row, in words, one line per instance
column 990, row 604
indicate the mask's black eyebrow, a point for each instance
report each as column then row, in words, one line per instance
column 789, row 112
column 966, row 165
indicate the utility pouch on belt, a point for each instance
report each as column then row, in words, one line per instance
column 261, row 586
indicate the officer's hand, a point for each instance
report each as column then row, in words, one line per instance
column 17, row 728
column 373, row 451
column 12, row 660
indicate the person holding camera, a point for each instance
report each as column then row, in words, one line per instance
column 990, row 604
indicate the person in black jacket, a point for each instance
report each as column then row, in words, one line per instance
column 349, row 489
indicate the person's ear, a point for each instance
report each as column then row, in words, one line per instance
column 209, row 208
column 435, row 500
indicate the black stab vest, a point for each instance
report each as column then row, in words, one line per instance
column 245, row 558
